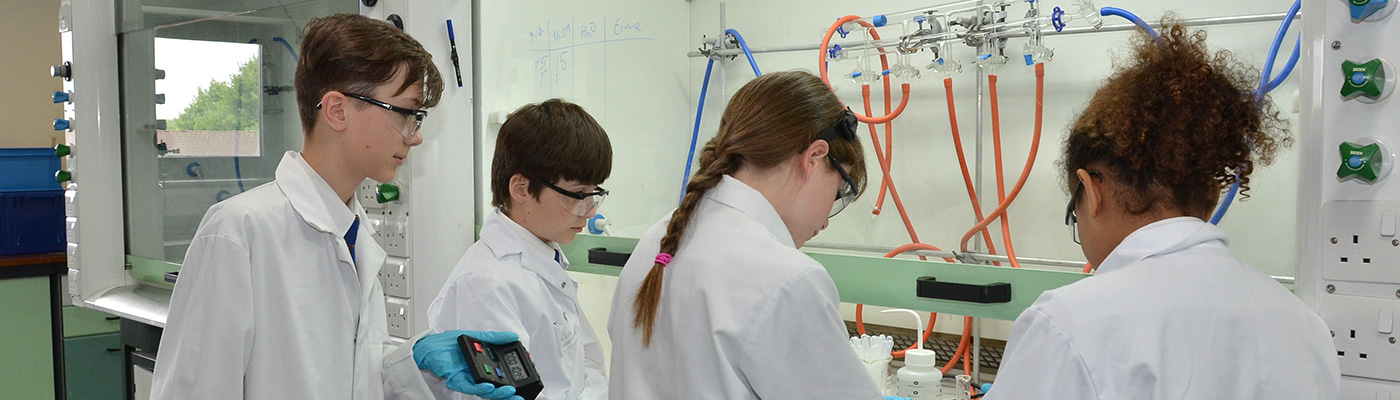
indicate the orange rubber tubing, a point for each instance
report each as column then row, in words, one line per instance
column 821, row 66
column 889, row 136
column 962, row 162
column 1030, row 161
column 886, row 181
column 933, row 317
column 885, row 169
column 889, row 127
column 1001, row 179
column 963, row 351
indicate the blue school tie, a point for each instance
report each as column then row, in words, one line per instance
column 350, row 237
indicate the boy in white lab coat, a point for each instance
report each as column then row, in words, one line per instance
column 278, row 296
column 549, row 159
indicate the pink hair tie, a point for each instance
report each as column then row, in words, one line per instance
column 663, row 259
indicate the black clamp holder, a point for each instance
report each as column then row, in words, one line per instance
column 930, row 288
column 601, row 256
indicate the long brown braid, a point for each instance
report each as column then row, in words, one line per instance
column 768, row 121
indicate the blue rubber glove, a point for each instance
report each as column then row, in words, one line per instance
column 441, row 355
column 896, row 398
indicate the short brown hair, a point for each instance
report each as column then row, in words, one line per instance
column 547, row 142
column 1176, row 125
column 770, row 120
column 353, row 53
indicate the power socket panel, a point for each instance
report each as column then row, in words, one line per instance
column 1360, row 242
column 399, row 316
column 391, row 232
column 394, row 277
column 365, row 194
column 1363, row 328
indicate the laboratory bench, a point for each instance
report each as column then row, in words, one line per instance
column 52, row 350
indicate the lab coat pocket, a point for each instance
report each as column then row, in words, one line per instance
column 566, row 329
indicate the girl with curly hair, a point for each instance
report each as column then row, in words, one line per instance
column 1171, row 313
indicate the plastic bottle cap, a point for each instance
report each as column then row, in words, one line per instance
column 920, row 358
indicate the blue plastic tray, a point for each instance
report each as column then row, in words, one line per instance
column 32, row 222
column 28, row 169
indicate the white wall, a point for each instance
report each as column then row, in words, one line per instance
column 30, row 29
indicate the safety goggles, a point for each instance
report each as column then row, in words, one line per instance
column 843, row 129
column 847, row 194
column 1070, row 218
column 412, row 119
column 579, row 204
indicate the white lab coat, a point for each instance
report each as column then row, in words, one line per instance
column 1171, row 314
column 269, row 305
column 510, row 281
column 743, row 313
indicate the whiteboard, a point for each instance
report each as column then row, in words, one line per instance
column 623, row 61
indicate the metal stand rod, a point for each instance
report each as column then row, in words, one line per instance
column 977, row 238
column 979, row 257
column 975, row 256
column 976, row 350
column 1229, row 20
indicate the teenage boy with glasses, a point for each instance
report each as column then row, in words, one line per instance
column 549, row 160
column 275, row 299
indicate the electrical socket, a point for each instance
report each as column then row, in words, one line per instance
column 71, row 229
column 392, row 234
column 1363, row 329
column 1360, row 241
column 394, row 277
column 399, row 317
column 365, row 193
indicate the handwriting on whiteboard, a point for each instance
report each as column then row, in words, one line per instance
column 562, row 47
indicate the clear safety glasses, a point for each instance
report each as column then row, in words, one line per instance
column 847, row 193
column 580, row 204
column 412, row 119
column 843, row 129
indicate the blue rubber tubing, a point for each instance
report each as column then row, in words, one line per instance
column 288, row 45
column 1265, row 85
column 1118, row 12
column 238, row 173
column 1287, row 68
column 747, row 53
column 695, row 133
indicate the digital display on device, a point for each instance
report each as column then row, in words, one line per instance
column 502, row 365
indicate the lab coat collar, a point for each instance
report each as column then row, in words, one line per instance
column 314, row 199
column 318, row 205
column 505, row 237
column 1162, row 237
column 744, row 198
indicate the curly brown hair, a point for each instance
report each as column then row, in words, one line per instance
column 1176, row 124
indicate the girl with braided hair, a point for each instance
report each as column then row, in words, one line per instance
column 716, row 300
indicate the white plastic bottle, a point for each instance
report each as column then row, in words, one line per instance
column 920, row 378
